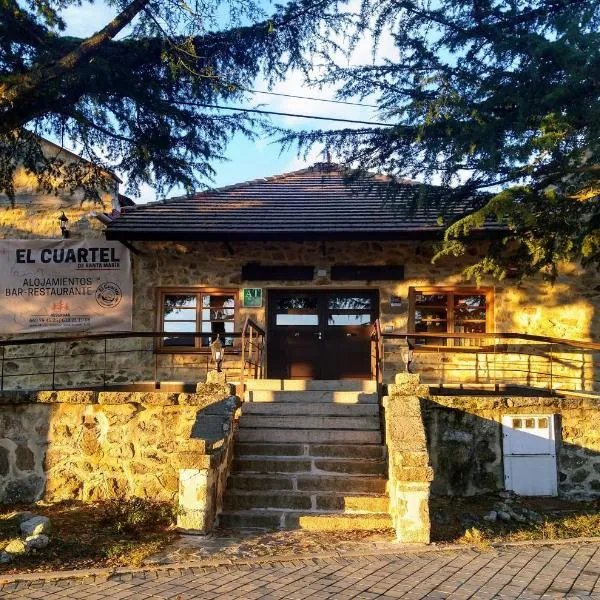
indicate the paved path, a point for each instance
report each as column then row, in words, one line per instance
column 526, row 572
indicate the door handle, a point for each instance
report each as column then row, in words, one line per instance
column 319, row 335
column 350, row 334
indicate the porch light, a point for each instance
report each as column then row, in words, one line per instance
column 62, row 221
column 218, row 352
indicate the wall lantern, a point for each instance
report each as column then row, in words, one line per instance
column 64, row 228
column 218, row 352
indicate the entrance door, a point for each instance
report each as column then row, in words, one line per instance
column 320, row 334
column 530, row 454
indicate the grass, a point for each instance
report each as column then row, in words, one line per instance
column 460, row 520
column 103, row 534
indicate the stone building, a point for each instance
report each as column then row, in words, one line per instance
column 35, row 212
column 369, row 374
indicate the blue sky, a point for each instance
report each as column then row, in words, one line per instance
column 261, row 158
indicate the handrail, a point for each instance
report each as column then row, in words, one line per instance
column 535, row 359
column 498, row 335
column 256, row 350
column 60, row 363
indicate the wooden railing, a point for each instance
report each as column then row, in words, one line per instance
column 253, row 345
column 103, row 360
column 507, row 359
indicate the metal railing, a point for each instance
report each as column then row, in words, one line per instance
column 123, row 359
column 489, row 359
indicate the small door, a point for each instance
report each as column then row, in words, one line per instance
column 320, row 334
column 530, row 455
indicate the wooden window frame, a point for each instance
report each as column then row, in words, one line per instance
column 450, row 292
column 161, row 292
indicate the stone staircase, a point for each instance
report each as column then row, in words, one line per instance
column 308, row 455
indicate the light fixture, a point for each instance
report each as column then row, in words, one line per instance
column 62, row 221
column 218, row 352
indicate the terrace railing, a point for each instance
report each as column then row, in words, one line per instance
column 124, row 359
column 483, row 360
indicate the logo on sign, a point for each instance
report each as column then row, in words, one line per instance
column 108, row 294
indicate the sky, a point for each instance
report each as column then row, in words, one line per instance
column 260, row 158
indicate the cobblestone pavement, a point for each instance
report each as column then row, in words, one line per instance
column 525, row 572
column 225, row 544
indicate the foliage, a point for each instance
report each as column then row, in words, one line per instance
column 91, row 535
column 137, row 95
column 134, row 515
column 497, row 100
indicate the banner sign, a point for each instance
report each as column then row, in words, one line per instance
column 64, row 285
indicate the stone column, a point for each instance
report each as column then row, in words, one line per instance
column 410, row 473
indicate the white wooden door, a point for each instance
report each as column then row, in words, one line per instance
column 530, row 455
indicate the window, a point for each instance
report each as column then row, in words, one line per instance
column 184, row 311
column 442, row 310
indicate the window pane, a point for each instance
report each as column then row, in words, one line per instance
column 431, row 299
column 181, row 314
column 178, row 340
column 215, row 301
column 297, row 320
column 349, row 319
column 350, row 302
column 296, row 303
column 222, row 314
column 187, row 326
column 469, row 307
column 173, row 301
column 431, row 314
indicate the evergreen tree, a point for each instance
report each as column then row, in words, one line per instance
column 499, row 101
column 136, row 96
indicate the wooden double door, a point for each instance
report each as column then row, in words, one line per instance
column 315, row 334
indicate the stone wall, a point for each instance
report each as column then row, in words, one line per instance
column 35, row 212
column 409, row 472
column 92, row 446
column 464, row 438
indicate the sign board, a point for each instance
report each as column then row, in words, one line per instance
column 252, row 297
column 64, row 285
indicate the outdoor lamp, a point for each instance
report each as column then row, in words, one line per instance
column 62, row 221
column 218, row 351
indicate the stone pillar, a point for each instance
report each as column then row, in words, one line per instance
column 197, row 508
column 410, row 473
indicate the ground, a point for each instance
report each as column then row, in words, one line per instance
column 132, row 533
column 92, row 535
column 524, row 572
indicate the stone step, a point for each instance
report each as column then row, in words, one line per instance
column 310, row 521
column 318, row 450
column 310, row 408
column 241, row 500
column 311, row 396
column 346, row 466
column 314, row 436
column 352, row 484
column 352, row 385
column 308, row 422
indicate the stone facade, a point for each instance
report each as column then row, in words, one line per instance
column 569, row 309
column 93, row 446
column 464, row 438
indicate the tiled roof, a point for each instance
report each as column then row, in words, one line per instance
column 319, row 202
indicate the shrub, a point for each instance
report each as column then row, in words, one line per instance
column 133, row 515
